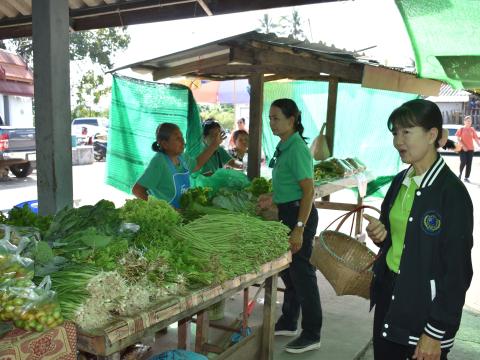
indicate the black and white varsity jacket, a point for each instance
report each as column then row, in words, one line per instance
column 436, row 267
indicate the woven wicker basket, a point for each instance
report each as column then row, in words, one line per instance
column 345, row 262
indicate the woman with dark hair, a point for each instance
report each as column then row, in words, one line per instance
column 212, row 130
column 292, row 180
column 424, row 266
column 240, row 145
column 167, row 176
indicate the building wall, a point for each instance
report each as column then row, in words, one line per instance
column 451, row 111
column 2, row 112
column 21, row 113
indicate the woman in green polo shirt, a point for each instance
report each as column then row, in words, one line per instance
column 424, row 267
column 211, row 131
column 167, row 176
column 292, row 179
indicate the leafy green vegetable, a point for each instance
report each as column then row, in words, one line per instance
column 260, row 186
column 197, row 195
column 43, row 253
column 156, row 219
column 236, row 201
column 23, row 216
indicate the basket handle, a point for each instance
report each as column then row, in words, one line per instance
column 348, row 214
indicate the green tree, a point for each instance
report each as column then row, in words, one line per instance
column 223, row 113
column 292, row 25
column 95, row 46
column 267, row 24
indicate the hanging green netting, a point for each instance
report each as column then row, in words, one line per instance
column 137, row 108
column 360, row 126
column 445, row 39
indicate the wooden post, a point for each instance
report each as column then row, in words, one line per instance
column 255, row 125
column 269, row 318
column 201, row 337
column 331, row 111
column 245, row 312
column 184, row 334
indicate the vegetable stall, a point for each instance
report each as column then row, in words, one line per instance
column 120, row 273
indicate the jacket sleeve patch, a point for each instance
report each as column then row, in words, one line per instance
column 431, row 223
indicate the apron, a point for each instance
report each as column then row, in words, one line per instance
column 181, row 181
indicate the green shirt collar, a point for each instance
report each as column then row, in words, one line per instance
column 282, row 146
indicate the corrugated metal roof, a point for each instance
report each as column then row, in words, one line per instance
column 16, row 15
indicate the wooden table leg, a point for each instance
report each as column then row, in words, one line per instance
column 184, row 334
column 245, row 312
column 201, row 336
column 266, row 352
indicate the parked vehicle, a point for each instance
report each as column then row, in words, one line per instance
column 100, row 147
column 17, row 150
column 87, row 128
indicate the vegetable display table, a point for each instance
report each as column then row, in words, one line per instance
column 323, row 191
column 59, row 343
column 107, row 343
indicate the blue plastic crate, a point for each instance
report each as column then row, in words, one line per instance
column 32, row 205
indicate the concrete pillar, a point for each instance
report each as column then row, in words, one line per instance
column 52, row 104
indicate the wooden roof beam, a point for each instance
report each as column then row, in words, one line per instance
column 8, row 10
column 22, row 6
column 350, row 72
column 191, row 67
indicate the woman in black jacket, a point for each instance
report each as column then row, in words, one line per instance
column 424, row 233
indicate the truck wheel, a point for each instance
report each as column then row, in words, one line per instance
column 21, row 170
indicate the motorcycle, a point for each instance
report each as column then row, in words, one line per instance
column 99, row 149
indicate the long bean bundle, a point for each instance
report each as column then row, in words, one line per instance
column 235, row 244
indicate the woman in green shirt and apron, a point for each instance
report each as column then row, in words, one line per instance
column 167, row 176
column 292, row 179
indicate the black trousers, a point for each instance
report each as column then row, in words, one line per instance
column 384, row 349
column 466, row 158
column 301, row 289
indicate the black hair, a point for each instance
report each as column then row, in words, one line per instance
column 418, row 112
column 237, row 133
column 163, row 133
column 242, row 120
column 290, row 108
column 209, row 125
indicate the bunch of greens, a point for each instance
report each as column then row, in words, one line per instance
column 196, row 195
column 156, row 219
column 103, row 217
column 23, row 216
column 236, row 201
column 260, row 186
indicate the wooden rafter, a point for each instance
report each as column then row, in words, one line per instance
column 8, row 9
column 22, row 6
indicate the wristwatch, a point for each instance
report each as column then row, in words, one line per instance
column 300, row 224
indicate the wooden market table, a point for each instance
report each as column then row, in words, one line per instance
column 323, row 192
column 107, row 343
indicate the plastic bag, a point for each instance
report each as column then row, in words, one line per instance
column 222, row 178
column 319, row 147
column 14, row 266
column 33, row 308
column 17, row 239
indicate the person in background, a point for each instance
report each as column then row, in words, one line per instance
column 240, row 147
column 293, row 192
column 240, row 124
column 220, row 158
column 424, row 266
column 465, row 136
column 167, row 176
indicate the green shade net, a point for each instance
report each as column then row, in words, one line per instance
column 360, row 126
column 445, row 39
column 137, row 108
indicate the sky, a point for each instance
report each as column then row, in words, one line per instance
column 352, row 25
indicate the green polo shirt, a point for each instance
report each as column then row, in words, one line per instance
column 294, row 164
column 398, row 216
column 158, row 179
column 217, row 161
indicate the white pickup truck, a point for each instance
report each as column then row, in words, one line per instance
column 87, row 127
